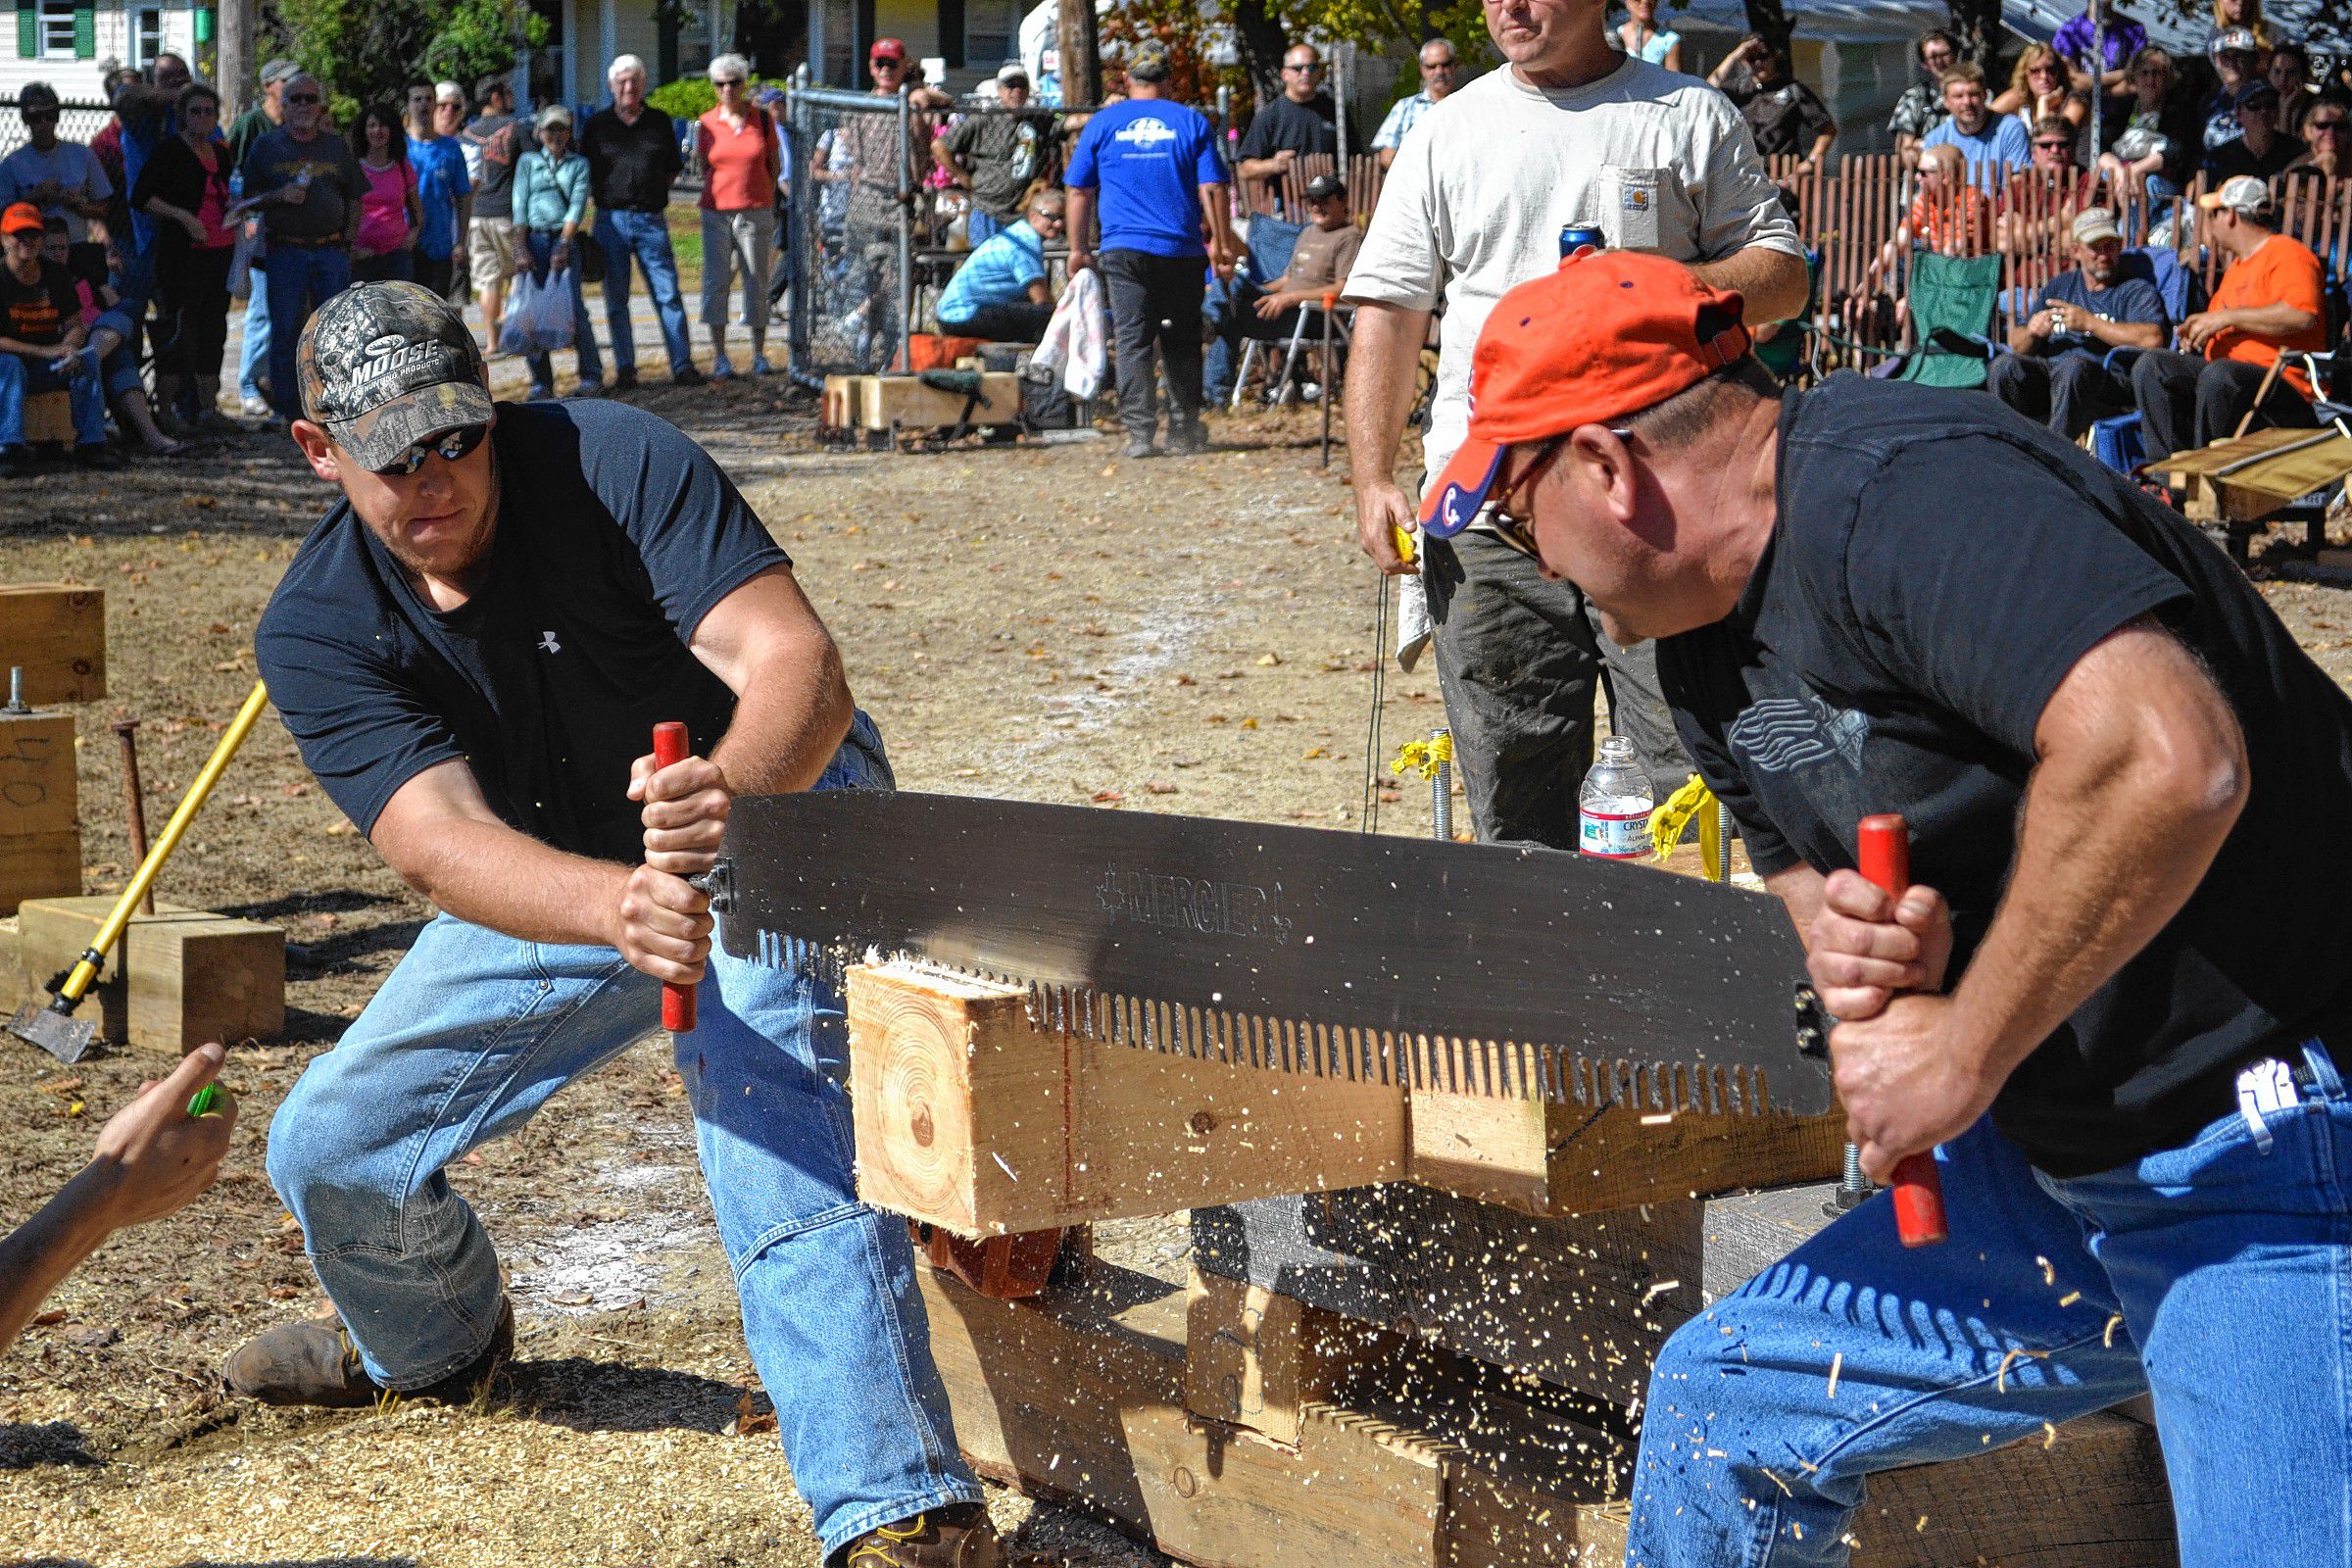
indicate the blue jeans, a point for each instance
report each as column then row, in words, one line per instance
column 540, row 245
column 474, row 1031
column 254, row 352
column 2218, row 1275
column 300, row 281
column 20, row 378
column 646, row 236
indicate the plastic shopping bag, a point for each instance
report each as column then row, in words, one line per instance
column 551, row 311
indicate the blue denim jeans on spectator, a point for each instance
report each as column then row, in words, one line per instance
column 254, row 352
column 646, row 236
column 2216, row 1274
column 300, row 281
column 540, row 245
column 22, row 377
column 474, row 1031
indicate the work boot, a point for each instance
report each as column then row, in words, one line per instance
column 686, row 376
column 1140, row 446
column 317, row 1365
column 624, row 380
column 959, row 1536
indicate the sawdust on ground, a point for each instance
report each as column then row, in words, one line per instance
column 1048, row 624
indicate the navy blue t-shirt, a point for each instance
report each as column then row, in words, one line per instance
column 2132, row 299
column 1150, row 156
column 1893, row 651
column 616, row 535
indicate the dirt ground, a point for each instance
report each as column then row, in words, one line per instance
column 1049, row 623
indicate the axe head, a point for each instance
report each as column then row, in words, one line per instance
column 54, row 1029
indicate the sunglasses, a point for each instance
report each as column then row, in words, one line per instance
column 2331, row 126
column 728, row 81
column 452, row 447
column 302, row 98
column 2054, row 146
column 1311, row 66
column 885, row 63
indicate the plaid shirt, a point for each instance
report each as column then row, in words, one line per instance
column 1402, row 117
column 1918, row 111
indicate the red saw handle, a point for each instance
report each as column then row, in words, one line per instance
column 671, row 744
column 1883, row 848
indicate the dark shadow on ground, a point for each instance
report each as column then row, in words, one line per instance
column 31, row 1445
column 216, row 1562
column 588, row 1395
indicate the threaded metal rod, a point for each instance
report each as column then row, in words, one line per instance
column 1441, row 792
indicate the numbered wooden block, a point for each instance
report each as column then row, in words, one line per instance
column 178, row 977
column 37, row 789
column 56, row 633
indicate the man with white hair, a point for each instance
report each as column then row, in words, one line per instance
column 1440, row 69
column 633, row 158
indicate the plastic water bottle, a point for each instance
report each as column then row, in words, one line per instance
column 1612, row 816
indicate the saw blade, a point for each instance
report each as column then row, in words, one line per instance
column 1487, row 969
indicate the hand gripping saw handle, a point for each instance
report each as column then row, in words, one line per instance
column 671, row 744
column 1884, row 850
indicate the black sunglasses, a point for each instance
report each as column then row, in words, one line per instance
column 302, row 98
column 2326, row 124
column 454, row 447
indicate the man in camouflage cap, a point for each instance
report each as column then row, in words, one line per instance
column 471, row 650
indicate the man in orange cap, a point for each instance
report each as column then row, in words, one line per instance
column 40, row 340
column 2110, row 1006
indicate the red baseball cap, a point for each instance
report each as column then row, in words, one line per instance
column 886, row 49
column 20, row 217
column 1610, row 333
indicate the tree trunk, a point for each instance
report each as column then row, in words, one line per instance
column 1081, row 54
column 1259, row 39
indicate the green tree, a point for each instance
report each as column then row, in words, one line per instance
column 369, row 51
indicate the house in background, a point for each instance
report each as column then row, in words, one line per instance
column 67, row 43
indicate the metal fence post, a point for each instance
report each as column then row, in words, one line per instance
column 906, row 301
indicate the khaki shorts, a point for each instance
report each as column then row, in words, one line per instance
column 490, row 252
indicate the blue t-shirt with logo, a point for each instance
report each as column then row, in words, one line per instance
column 998, row 273
column 616, row 535
column 441, row 180
column 1148, row 157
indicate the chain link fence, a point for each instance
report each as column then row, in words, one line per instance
column 854, row 177
column 79, row 122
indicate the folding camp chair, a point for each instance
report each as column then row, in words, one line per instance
column 1953, row 300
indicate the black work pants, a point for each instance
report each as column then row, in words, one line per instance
column 1519, row 659
column 2069, row 392
column 1021, row 321
column 1156, row 315
column 2187, row 402
column 191, row 325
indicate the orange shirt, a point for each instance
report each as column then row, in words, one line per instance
column 740, row 165
column 1958, row 224
column 2282, row 272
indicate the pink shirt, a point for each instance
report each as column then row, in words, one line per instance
column 384, row 207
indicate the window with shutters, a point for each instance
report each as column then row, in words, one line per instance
column 57, row 30
column 146, row 37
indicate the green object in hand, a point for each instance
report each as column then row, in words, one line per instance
column 204, row 1100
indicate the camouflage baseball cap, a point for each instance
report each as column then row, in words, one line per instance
column 386, row 365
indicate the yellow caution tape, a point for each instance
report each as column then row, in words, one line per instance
column 1426, row 757
column 1670, row 821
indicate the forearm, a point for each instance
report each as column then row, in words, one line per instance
column 488, row 874
column 43, row 1251
column 1078, row 207
column 2126, row 334
column 1821, row 146
column 157, row 207
column 789, row 727
column 2279, row 322
column 1258, row 168
column 2022, row 341
column 1771, row 283
column 1381, row 384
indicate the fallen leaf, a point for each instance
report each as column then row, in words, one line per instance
column 570, row 1298
column 1159, row 786
column 750, row 1418
column 1107, row 797
column 43, row 1320
column 1184, row 680
column 284, row 1293
column 1249, row 723
column 98, row 1336
column 1313, row 752
column 1269, row 659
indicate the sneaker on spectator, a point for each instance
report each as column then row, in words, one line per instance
column 539, row 394
column 589, row 389
column 624, row 379
column 761, row 367
column 721, row 367
column 254, row 408
column 1140, row 446
column 685, row 376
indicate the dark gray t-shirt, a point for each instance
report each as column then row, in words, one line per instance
column 326, row 163
column 1003, row 153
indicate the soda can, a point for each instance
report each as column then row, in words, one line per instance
column 1578, row 238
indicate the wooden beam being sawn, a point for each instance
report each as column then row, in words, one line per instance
column 970, row 1116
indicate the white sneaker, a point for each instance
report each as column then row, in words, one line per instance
column 254, row 408
column 720, row 369
column 761, row 367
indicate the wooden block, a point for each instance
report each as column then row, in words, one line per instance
column 1256, row 1360
column 178, row 977
column 49, row 417
column 15, row 992
column 2094, row 1496
column 841, row 401
column 57, row 634
column 971, row 1117
column 905, row 402
column 39, row 791
column 39, row 866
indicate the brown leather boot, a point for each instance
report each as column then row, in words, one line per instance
column 317, row 1365
column 959, row 1536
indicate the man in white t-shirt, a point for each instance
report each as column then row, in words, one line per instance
column 1569, row 131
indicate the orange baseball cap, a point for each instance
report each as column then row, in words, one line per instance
column 1610, row 333
column 20, row 217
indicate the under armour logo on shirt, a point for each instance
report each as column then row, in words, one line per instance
column 547, row 643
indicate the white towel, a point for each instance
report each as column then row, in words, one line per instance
column 1073, row 342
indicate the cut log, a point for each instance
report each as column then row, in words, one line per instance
column 56, row 633
column 175, row 979
column 39, row 791
column 1257, row 1360
column 971, row 1117
column 881, row 402
column 39, row 866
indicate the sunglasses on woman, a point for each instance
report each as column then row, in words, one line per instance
column 452, row 447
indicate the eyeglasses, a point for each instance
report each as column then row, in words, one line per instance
column 302, row 98
column 2054, row 146
column 452, row 447
column 1311, row 66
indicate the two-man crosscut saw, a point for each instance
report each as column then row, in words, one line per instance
column 1486, row 969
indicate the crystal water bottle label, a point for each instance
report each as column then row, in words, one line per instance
column 1614, row 830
